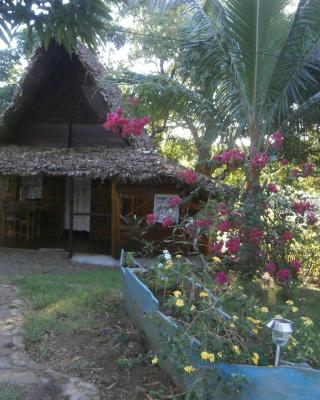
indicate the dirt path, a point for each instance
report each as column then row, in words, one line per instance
column 18, row 369
column 15, row 262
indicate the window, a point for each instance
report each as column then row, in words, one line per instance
column 31, row 188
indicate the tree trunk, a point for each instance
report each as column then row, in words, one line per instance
column 253, row 208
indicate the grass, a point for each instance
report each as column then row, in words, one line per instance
column 305, row 298
column 66, row 303
column 8, row 392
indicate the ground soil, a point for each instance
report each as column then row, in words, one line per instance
column 112, row 357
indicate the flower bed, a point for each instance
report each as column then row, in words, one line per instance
column 193, row 367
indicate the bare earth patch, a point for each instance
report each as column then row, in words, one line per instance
column 111, row 356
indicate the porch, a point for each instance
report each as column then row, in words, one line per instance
column 77, row 214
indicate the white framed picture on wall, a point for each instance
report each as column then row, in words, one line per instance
column 162, row 208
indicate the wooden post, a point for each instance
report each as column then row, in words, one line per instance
column 115, row 220
column 70, row 189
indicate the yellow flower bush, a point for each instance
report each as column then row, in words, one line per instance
column 177, row 293
column 264, row 309
column 289, row 302
column 294, row 309
column 189, row 369
column 155, row 360
column 307, row 321
column 255, row 358
column 207, row 356
column 203, row 294
column 236, row 349
column 193, row 307
column 179, row 303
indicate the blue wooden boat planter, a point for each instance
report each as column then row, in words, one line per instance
column 261, row 383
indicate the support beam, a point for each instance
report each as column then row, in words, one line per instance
column 115, row 220
column 70, row 190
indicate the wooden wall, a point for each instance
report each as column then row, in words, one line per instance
column 141, row 200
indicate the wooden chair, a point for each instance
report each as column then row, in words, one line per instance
column 11, row 217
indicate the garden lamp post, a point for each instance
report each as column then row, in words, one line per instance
column 281, row 331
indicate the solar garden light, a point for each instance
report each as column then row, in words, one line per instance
column 281, row 331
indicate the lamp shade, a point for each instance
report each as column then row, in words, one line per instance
column 281, row 330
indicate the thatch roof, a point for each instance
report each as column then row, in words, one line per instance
column 59, row 87
column 42, row 69
column 125, row 165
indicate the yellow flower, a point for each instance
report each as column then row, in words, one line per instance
column 232, row 325
column 254, row 321
column 178, row 256
column 189, row 369
column 155, row 360
column 255, row 358
column 207, row 356
column 289, row 302
column 264, row 309
column 177, row 293
column 204, row 355
column 278, row 316
column 169, row 264
column 193, row 307
column 235, row 317
column 307, row 321
column 255, row 330
column 203, row 294
column 220, row 355
column 294, row 309
column 179, row 303
column 236, row 349
column 216, row 259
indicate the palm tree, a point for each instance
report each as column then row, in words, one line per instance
column 66, row 21
column 260, row 61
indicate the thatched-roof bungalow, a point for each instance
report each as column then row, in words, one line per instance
column 62, row 174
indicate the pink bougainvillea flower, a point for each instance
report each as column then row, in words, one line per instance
column 222, row 278
column 151, row 219
column 224, row 226
column 284, row 161
column 189, row 177
column 167, row 221
column 222, row 209
column 312, row 219
column 295, row 172
column 296, row 265
column 255, row 235
column 300, row 207
column 216, row 248
column 307, row 169
column 203, row 223
column 259, row 160
column 284, row 275
column 233, row 158
column 271, row 267
column 174, row 201
column 276, row 140
column 272, row 187
column 118, row 124
column 286, row 236
column 233, row 245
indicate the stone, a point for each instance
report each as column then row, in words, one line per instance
column 4, row 364
column 19, row 358
column 18, row 342
column 76, row 389
column 18, row 377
